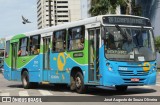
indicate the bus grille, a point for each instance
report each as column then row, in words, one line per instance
column 133, row 73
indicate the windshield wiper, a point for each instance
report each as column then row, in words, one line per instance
column 137, row 34
column 121, row 32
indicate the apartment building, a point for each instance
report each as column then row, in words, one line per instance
column 52, row 12
column 55, row 12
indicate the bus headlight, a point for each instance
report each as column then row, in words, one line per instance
column 109, row 67
column 154, row 69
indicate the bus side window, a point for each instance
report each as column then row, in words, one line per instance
column 23, row 47
column 34, row 45
column 7, row 49
column 59, row 41
column 76, row 38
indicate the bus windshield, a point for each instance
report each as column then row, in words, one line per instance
column 129, row 43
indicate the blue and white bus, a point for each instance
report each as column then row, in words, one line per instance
column 107, row 50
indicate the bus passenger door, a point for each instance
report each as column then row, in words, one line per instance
column 14, row 61
column 46, row 58
column 93, row 54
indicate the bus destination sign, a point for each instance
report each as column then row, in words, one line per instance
column 124, row 20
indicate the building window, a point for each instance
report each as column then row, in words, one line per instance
column 7, row 49
column 23, row 47
column 34, row 45
column 62, row 20
column 62, row 16
column 62, row 11
column 76, row 38
column 62, row 1
column 59, row 41
column 62, row 6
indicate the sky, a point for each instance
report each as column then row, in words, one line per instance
column 11, row 12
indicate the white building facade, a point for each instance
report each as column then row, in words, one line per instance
column 55, row 12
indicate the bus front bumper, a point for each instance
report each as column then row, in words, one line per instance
column 115, row 79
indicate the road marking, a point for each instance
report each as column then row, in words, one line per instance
column 157, row 84
column 4, row 94
column 9, row 89
column 66, row 92
column 45, row 93
column 146, row 86
column 23, row 93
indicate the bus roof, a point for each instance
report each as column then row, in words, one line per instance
column 70, row 24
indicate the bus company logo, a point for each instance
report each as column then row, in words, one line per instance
column 6, row 99
column 146, row 66
column 61, row 61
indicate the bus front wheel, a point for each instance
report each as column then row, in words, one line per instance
column 121, row 88
column 25, row 80
column 79, row 82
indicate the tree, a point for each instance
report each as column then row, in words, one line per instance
column 102, row 7
column 157, row 42
column 99, row 7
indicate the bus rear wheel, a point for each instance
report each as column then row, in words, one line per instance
column 79, row 82
column 121, row 88
column 25, row 80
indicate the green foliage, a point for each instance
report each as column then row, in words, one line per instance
column 102, row 7
column 157, row 42
column 99, row 7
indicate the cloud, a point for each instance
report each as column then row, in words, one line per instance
column 11, row 12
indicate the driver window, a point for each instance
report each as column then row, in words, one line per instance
column 145, row 36
column 113, row 39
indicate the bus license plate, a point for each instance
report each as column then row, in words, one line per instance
column 135, row 79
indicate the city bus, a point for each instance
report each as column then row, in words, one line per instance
column 107, row 50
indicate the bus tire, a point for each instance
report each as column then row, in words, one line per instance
column 73, row 84
column 121, row 88
column 79, row 82
column 25, row 80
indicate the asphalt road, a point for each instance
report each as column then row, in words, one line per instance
column 13, row 88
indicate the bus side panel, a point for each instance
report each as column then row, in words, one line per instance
column 102, row 67
column 7, row 71
column 7, row 68
column 34, row 76
column 61, row 66
column 32, row 65
column 35, row 69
